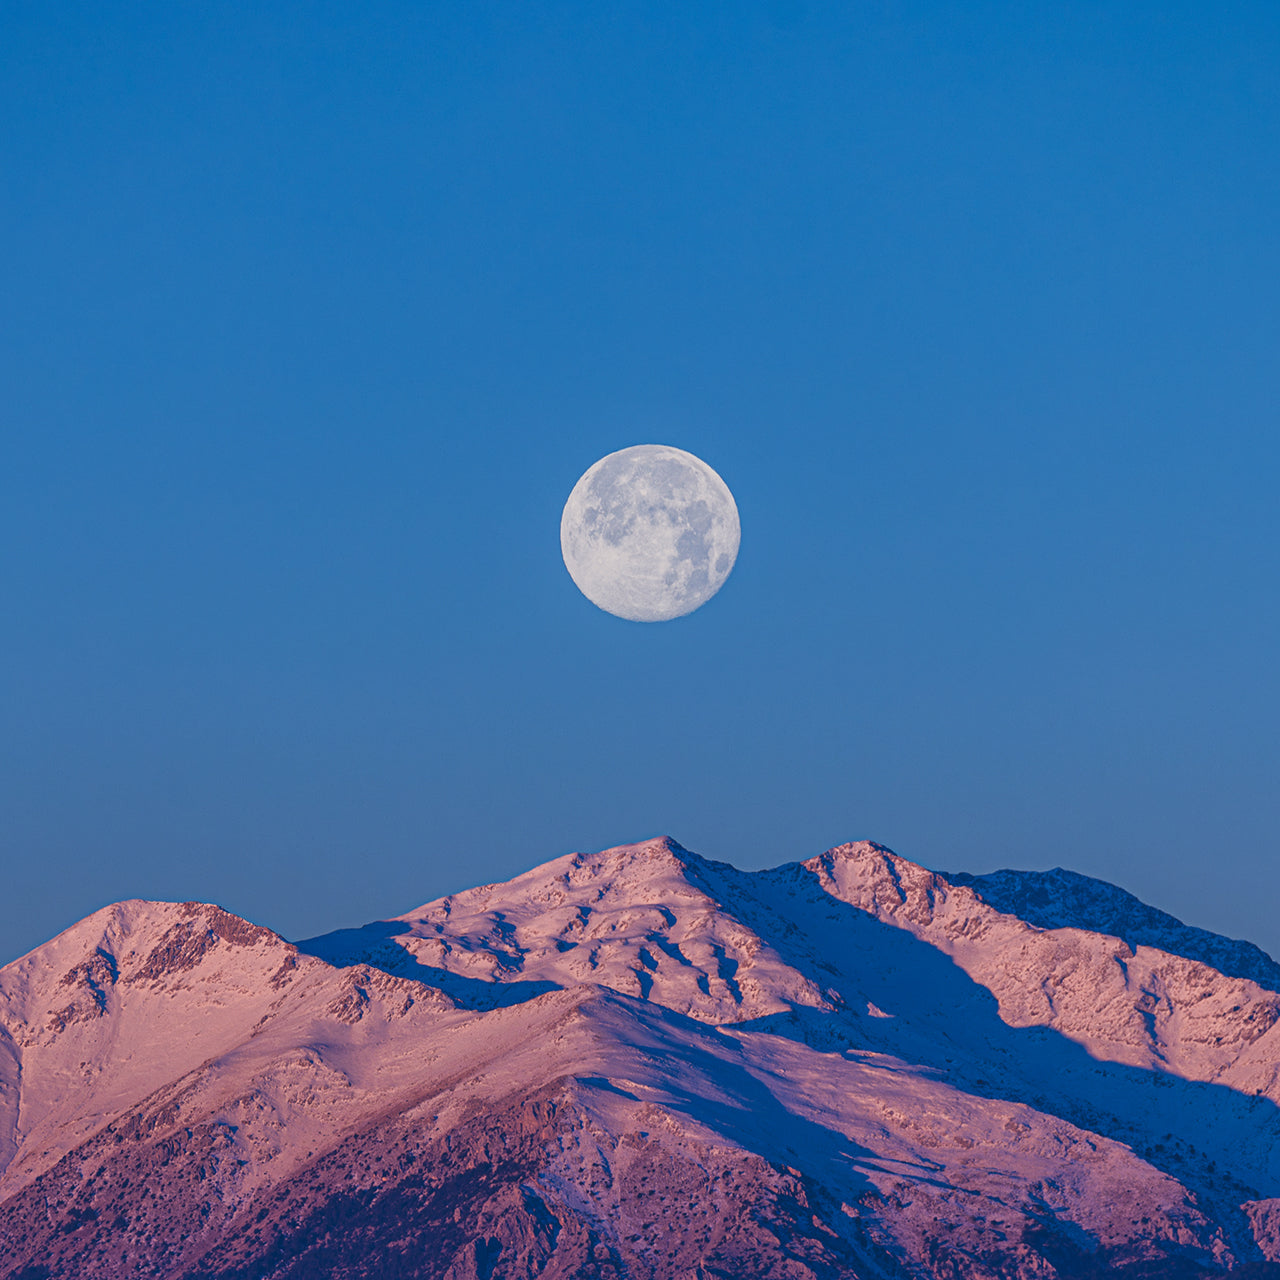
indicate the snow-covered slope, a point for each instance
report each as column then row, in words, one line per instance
column 1061, row 899
column 641, row 1063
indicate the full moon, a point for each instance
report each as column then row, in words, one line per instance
column 649, row 533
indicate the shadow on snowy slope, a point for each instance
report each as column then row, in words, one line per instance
column 372, row 945
column 930, row 1013
column 1224, row 1143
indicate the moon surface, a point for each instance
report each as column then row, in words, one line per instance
column 649, row 533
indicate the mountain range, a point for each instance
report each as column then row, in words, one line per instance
column 643, row 1064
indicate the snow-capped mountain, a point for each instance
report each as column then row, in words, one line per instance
column 640, row 1063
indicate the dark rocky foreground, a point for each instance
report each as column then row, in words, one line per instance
column 392, row 1205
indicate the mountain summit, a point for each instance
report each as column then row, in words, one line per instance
column 641, row 1063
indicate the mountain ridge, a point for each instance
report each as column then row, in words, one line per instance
column 1058, row 897
column 640, row 1062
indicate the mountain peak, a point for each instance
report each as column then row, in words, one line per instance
column 78, row 976
column 144, row 939
column 642, row 872
column 872, row 875
column 652, row 920
column 659, row 853
column 860, row 849
column 658, row 845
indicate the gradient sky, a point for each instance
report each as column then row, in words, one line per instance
column 314, row 313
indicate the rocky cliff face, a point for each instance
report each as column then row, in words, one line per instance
column 643, row 1064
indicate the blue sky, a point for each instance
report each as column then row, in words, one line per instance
column 313, row 316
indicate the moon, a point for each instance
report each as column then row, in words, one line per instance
column 650, row 533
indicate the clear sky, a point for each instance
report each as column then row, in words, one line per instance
column 313, row 313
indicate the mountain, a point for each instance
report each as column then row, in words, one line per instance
column 643, row 1064
column 1058, row 898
